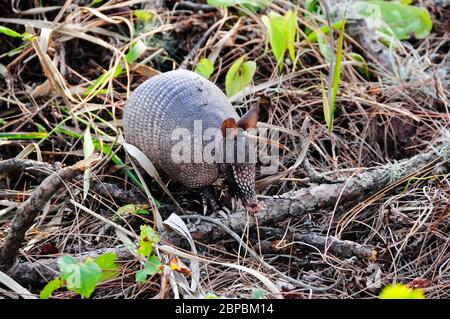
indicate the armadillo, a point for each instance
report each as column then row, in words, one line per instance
column 182, row 99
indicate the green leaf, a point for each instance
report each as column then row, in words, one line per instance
column 147, row 237
column 362, row 67
column 50, row 287
column 133, row 209
column 40, row 127
column 239, row 76
column 23, row 135
column 325, row 29
column 108, row 266
column 211, row 295
column 151, row 267
column 204, row 67
column 282, row 32
column 311, row 5
column 402, row 19
column 81, row 278
column 400, row 291
column 258, row 294
column 10, row 32
column 291, row 32
column 143, row 15
column 136, row 51
column 336, row 78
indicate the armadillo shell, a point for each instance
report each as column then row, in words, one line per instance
column 171, row 101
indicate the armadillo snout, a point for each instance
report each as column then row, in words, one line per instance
column 244, row 181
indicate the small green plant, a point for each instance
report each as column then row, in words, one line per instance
column 388, row 19
column 239, row 76
column 402, row 19
column 204, row 67
column 82, row 277
column 147, row 238
column 400, row 291
column 282, row 33
column 329, row 97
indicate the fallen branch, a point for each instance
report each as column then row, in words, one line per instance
column 355, row 189
column 35, row 168
column 27, row 212
column 337, row 247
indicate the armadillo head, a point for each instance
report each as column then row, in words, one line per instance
column 240, row 159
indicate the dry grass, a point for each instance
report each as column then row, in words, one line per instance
column 377, row 121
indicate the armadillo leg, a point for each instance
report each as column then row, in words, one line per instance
column 210, row 199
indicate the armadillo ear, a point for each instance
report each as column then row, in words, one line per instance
column 229, row 124
column 249, row 119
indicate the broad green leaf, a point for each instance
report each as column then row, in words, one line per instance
column 88, row 150
column 50, row 287
column 239, row 76
column 151, row 267
column 400, row 291
column 107, row 263
column 147, row 237
column 282, row 32
column 291, row 23
column 204, row 67
column 363, row 67
column 143, row 15
column 404, row 20
column 276, row 31
column 79, row 277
